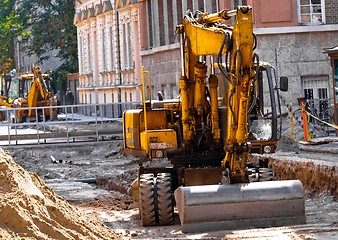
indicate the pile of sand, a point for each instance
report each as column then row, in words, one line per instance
column 30, row 209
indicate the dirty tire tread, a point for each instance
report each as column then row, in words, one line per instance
column 165, row 199
column 146, row 198
column 265, row 174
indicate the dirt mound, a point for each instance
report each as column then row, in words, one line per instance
column 30, row 209
column 287, row 144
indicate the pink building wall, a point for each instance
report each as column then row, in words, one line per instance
column 270, row 13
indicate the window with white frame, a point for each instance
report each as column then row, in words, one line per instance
column 103, row 50
column 111, row 40
column 130, row 56
column 315, row 90
column 311, row 12
column 89, row 61
column 124, row 47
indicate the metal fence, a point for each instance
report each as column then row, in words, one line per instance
column 110, row 110
column 38, row 130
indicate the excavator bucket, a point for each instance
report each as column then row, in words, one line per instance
column 238, row 206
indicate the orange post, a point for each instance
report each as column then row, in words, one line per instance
column 307, row 136
column 292, row 121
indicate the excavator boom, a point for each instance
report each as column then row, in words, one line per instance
column 239, row 204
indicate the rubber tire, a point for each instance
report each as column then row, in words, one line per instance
column 253, row 177
column 265, row 174
column 147, row 200
column 165, row 199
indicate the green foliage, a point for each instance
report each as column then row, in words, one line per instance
column 59, row 80
column 9, row 27
column 45, row 25
column 51, row 28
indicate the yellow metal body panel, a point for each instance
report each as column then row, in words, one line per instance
column 157, row 136
column 131, row 127
column 200, row 39
column 158, row 139
column 156, row 119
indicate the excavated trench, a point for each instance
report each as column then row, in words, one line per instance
column 316, row 178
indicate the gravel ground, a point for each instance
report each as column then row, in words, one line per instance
column 95, row 177
column 69, row 168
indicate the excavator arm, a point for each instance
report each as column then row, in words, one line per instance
column 207, row 36
column 240, row 203
column 37, row 91
column 242, row 75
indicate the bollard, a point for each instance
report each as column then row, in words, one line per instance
column 307, row 136
column 292, row 121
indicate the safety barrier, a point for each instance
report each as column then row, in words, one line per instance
column 305, row 114
column 39, row 131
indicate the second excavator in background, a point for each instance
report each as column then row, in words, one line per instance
column 194, row 152
column 33, row 91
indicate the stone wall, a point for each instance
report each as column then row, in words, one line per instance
column 331, row 9
column 164, row 66
column 296, row 55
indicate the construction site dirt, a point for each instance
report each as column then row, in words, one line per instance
column 95, row 177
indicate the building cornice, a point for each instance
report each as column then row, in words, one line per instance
column 160, row 49
column 296, row 29
column 132, row 86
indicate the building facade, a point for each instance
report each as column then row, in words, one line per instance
column 124, row 35
column 108, row 47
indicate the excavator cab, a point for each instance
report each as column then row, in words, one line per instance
column 265, row 112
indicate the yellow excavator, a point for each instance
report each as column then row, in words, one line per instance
column 38, row 95
column 194, row 153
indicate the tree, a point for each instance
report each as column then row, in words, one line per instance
column 45, row 25
column 10, row 27
column 50, row 27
